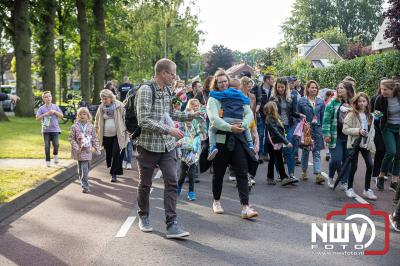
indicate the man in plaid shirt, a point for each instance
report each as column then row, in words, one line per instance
column 156, row 145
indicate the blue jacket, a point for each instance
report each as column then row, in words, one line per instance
column 232, row 102
column 231, row 94
column 304, row 107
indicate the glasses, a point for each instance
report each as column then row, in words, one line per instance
column 172, row 74
column 222, row 82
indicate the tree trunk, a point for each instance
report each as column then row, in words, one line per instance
column 63, row 65
column 22, row 48
column 84, row 48
column 47, row 47
column 100, row 57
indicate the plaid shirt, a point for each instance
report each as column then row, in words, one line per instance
column 154, row 136
column 329, row 123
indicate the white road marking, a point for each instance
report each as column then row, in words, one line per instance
column 158, row 175
column 125, row 227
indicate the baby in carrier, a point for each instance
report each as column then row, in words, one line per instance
column 232, row 111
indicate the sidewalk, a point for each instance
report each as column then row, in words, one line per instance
column 32, row 163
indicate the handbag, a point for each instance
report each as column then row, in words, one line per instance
column 277, row 146
column 306, row 139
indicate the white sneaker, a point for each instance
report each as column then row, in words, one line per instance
column 48, row 163
column 56, row 159
column 124, row 164
column 248, row 213
column 217, row 208
column 331, row 183
column 128, row 166
column 350, row 193
column 232, row 178
column 343, row 186
column 369, row 194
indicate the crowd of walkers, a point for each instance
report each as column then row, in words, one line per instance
column 235, row 123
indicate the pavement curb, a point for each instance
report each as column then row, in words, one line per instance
column 9, row 208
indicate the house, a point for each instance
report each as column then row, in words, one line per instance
column 235, row 70
column 319, row 52
column 381, row 44
column 6, row 75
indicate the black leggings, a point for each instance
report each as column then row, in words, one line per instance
column 275, row 158
column 114, row 155
column 238, row 159
column 368, row 164
column 379, row 154
column 188, row 171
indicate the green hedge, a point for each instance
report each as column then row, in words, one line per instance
column 367, row 71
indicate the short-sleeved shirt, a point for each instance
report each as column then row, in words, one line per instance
column 52, row 125
column 123, row 90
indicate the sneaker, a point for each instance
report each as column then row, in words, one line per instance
column 113, row 178
column 217, row 208
column 319, row 179
column 395, row 224
column 212, row 152
column 56, row 159
column 380, row 183
column 304, row 176
column 179, row 191
column 298, row 162
column 85, row 190
column 393, row 186
column 232, row 178
column 128, row 166
column 288, row 181
column 295, row 179
column 124, row 164
column 252, row 180
column 191, row 196
column 369, row 194
column 175, row 231
column 144, row 224
column 248, row 213
column 48, row 164
column 350, row 193
column 271, row 182
column 331, row 183
column 343, row 186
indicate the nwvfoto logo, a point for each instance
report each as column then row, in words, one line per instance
column 335, row 235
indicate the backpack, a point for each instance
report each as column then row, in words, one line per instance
column 131, row 122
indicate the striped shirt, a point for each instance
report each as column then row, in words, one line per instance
column 154, row 136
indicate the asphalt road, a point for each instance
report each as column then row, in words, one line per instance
column 100, row 228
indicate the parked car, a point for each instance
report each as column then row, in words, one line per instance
column 8, row 105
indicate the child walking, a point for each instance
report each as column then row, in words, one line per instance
column 190, row 146
column 49, row 113
column 276, row 139
column 232, row 111
column 359, row 124
column 83, row 138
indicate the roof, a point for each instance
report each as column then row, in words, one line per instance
column 238, row 68
column 317, row 42
column 380, row 42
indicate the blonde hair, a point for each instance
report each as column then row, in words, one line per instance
column 308, row 86
column 271, row 111
column 83, row 110
column 219, row 73
column 190, row 103
column 46, row 92
column 246, row 81
column 287, row 94
column 234, row 83
column 106, row 93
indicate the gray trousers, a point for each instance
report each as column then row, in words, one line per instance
column 147, row 162
column 83, row 170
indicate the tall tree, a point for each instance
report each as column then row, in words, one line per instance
column 45, row 23
column 84, row 49
column 218, row 57
column 100, row 54
column 392, row 32
column 22, row 48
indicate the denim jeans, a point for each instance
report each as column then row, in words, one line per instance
column 316, row 160
column 50, row 137
column 288, row 153
column 83, row 170
column 261, row 134
column 128, row 152
column 338, row 156
column 188, row 171
column 392, row 145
